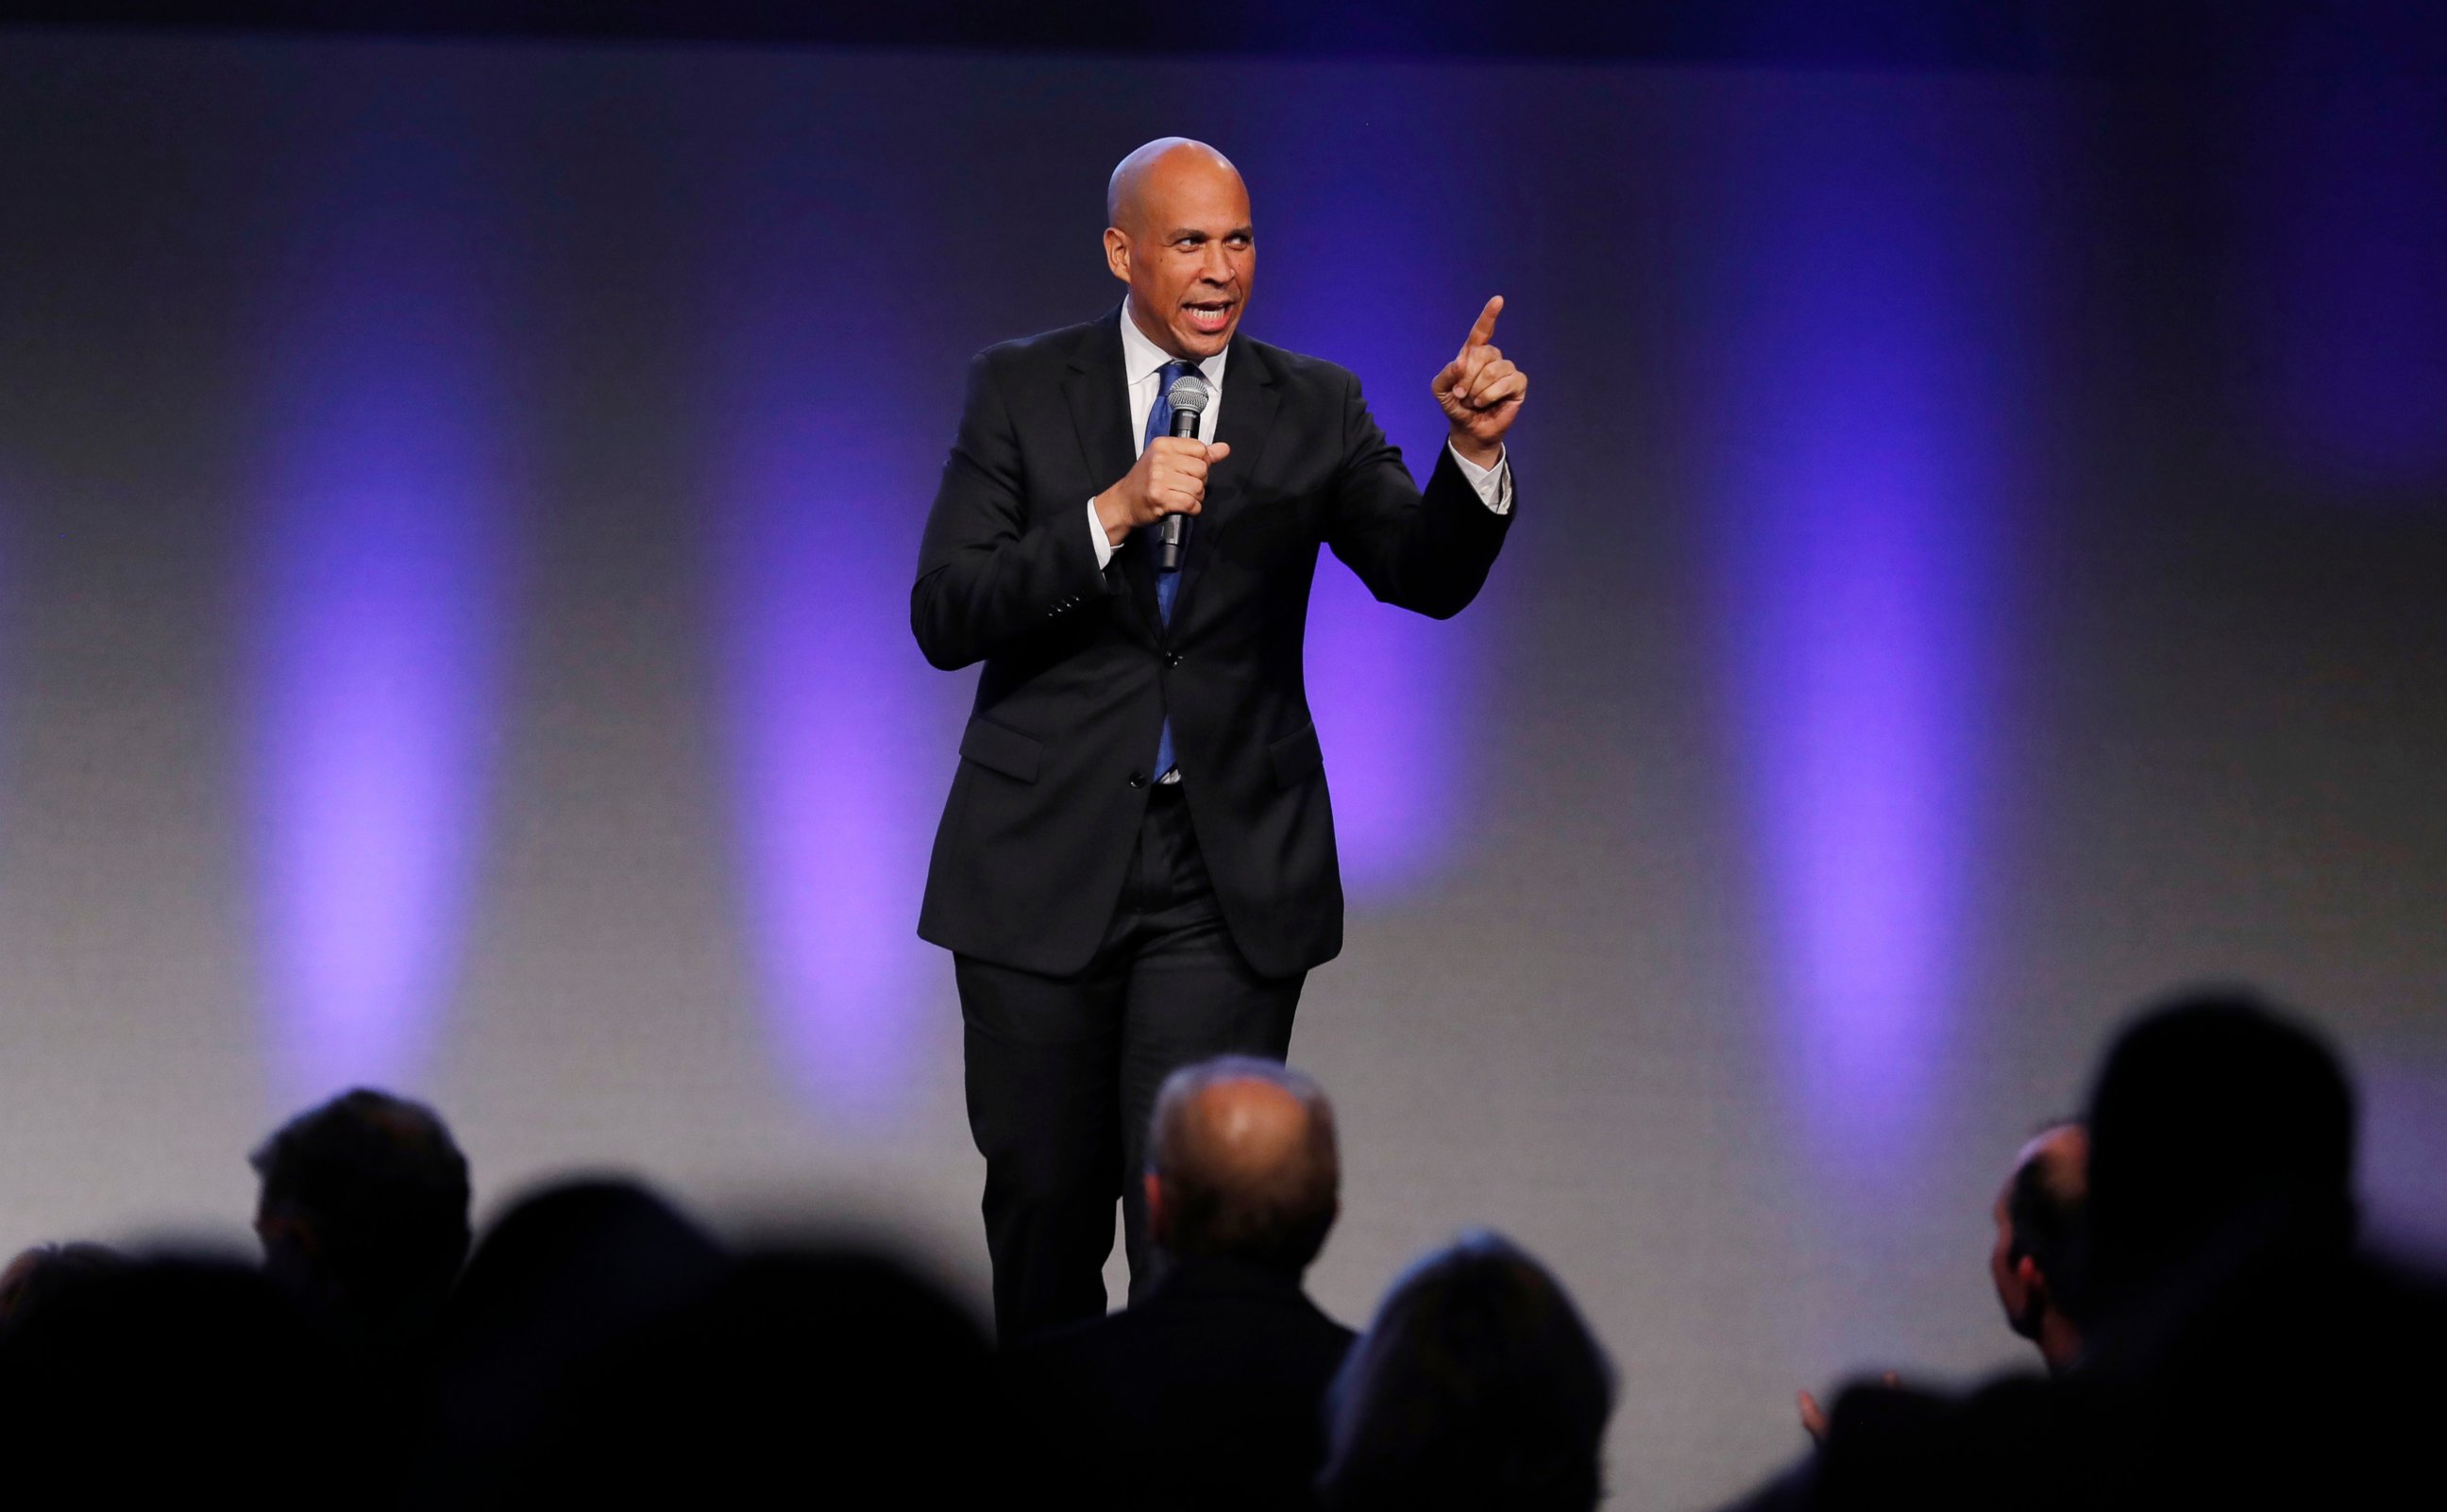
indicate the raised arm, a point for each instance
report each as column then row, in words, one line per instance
column 1429, row 552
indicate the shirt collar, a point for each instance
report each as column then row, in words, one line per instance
column 1143, row 359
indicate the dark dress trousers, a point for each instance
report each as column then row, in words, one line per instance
column 1209, row 1393
column 1108, row 928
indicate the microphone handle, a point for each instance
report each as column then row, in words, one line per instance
column 1168, row 540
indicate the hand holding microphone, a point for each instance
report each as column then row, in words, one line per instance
column 1169, row 480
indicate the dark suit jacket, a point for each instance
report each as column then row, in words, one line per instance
column 1208, row 1393
column 1080, row 670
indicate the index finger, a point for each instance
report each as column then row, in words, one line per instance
column 1483, row 330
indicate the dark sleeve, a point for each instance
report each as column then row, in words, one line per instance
column 1427, row 552
column 988, row 574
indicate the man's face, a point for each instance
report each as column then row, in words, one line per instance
column 1185, row 247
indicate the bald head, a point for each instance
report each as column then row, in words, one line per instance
column 1243, row 1162
column 1160, row 172
column 2040, row 1205
column 2039, row 1215
column 2058, row 1160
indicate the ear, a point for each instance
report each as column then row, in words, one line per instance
column 281, row 1232
column 1117, row 252
column 1158, row 1220
column 2034, row 1281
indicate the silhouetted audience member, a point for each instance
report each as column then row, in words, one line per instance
column 832, row 1376
column 1478, row 1387
column 174, row 1383
column 2237, row 1352
column 2254, row 1355
column 363, row 1215
column 1209, row 1391
column 2223, row 1140
column 2042, row 1214
column 41, row 1270
column 564, row 1276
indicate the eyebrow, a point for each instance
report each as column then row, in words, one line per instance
column 1189, row 234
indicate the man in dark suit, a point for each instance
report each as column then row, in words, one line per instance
column 1209, row 1392
column 1135, row 867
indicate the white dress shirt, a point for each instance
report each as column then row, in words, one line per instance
column 1142, row 363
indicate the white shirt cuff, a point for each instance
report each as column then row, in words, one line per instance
column 1494, row 485
column 1103, row 545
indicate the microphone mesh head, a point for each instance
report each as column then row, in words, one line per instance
column 1188, row 394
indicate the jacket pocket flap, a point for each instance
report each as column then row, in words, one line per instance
column 1002, row 749
column 1295, row 755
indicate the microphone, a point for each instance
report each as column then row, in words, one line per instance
column 1188, row 396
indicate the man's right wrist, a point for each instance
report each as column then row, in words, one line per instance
column 1115, row 530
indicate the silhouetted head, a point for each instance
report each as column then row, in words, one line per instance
column 172, row 1382
column 564, row 1275
column 2217, row 1125
column 579, row 1261
column 1177, row 231
column 41, row 1270
column 1242, row 1162
column 363, row 1210
column 2039, row 1215
column 842, row 1371
column 1477, row 1386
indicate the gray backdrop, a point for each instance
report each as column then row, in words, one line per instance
column 1978, row 565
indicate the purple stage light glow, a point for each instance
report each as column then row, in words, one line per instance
column 1863, row 492
column 1393, row 692
column 375, row 630
column 826, row 721
column 833, row 736
column 1388, row 694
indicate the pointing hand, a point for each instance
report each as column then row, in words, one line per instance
column 1480, row 392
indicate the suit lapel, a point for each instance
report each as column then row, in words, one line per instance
column 1250, row 402
column 1100, row 408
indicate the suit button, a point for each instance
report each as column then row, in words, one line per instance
column 1172, row 658
column 1138, row 779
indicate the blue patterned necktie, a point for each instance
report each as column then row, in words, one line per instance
column 1167, row 584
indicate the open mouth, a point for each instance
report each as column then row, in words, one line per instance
column 1209, row 316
